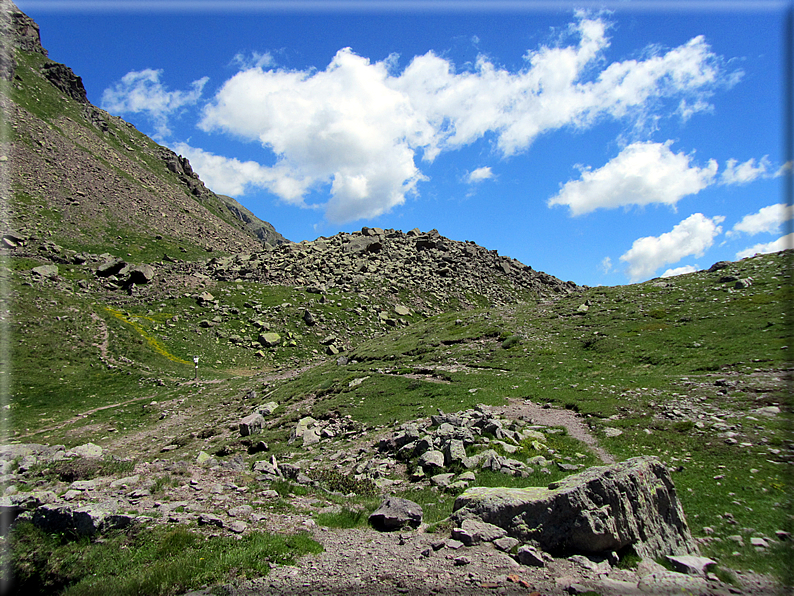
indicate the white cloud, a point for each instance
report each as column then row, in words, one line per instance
column 767, row 219
column 253, row 60
column 606, row 264
column 643, row 173
column 359, row 126
column 479, row 175
column 782, row 243
column 680, row 271
column 687, row 110
column 233, row 177
column 142, row 92
column 743, row 173
column 692, row 236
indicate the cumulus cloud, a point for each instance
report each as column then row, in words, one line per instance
column 746, row 172
column 782, row 243
column 767, row 219
column 233, row 177
column 361, row 126
column 680, row 271
column 692, row 236
column 479, row 175
column 643, row 173
column 142, row 92
column 606, row 265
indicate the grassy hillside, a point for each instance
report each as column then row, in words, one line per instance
column 687, row 368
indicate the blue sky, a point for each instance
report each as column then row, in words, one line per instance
column 600, row 146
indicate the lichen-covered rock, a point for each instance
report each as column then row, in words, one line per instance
column 251, row 424
column 304, row 424
column 269, row 340
column 395, row 513
column 599, row 510
column 432, row 460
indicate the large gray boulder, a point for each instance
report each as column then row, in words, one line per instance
column 251, row 424
column 110, row 267
column 141, row 274
column 395, row 513
column 600, row 510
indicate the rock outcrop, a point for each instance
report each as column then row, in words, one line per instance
column 431, row 446
column 137, row 196
column 602, row 509
column 63, row 78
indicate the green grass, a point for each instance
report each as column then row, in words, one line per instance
column 158, row 561
column 345, row 517
column 639, row 354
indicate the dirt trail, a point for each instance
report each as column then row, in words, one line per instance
column 555, row 417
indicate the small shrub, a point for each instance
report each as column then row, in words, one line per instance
column 77, row 469
column 344, row 483
column 726, row 576
column 86, row 469
column 511, row 341
column 284, row 488
column 628, row 558
column 162, row 482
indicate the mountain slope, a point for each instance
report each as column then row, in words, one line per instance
column 90, row 181
column 261, row 229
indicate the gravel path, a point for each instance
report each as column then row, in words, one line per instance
column 362, row 562
column 554, row 417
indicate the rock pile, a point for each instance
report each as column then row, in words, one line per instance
column 433, row 447
column 395, row 260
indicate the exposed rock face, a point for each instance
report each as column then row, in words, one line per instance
column 63, row 78
column 132, row 195
column 16, row 29
column 20, row 28
column 602, row 509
